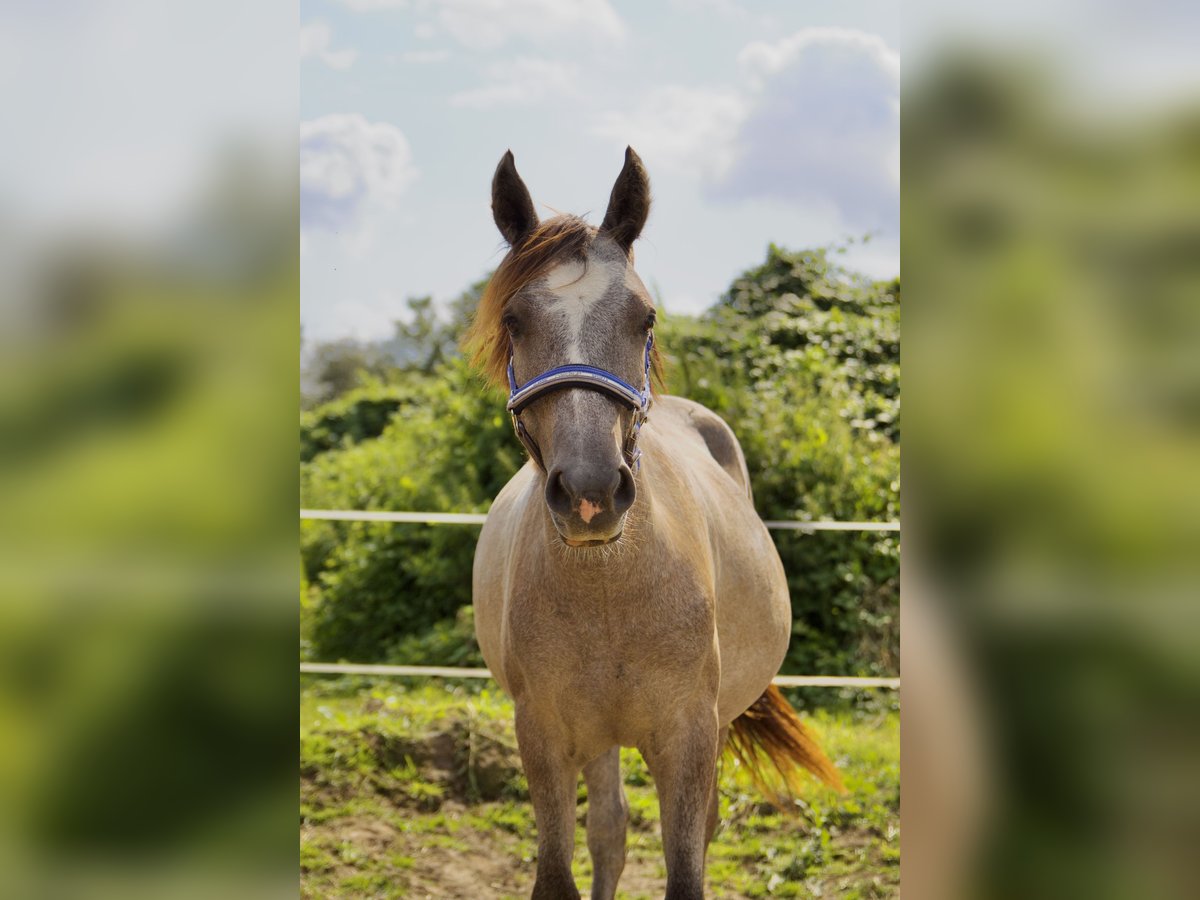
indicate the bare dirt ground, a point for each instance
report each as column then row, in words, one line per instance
column 494, row 864
column 479, row 865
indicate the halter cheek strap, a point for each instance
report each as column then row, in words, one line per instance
column 590, row 378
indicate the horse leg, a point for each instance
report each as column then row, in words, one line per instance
column 714, row 799
column 553, row 778
column 683, row 760
column 607, row 818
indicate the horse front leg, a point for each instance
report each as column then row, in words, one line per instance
column 553, row 777
column 682, row 757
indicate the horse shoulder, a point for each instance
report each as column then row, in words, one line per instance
column 493, row 555
column 718, row 438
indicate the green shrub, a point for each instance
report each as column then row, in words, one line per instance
column 450, row 642
column 358, row 416
column 450, row 449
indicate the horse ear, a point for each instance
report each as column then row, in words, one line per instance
column 512, row 207
column 629, row 204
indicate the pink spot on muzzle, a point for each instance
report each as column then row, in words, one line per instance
column 588, row 510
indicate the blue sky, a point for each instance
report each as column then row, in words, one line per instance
column 758, row 122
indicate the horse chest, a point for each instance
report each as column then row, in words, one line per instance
column 612, row 667
column 620, row 630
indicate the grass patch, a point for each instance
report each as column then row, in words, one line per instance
column 416, row 790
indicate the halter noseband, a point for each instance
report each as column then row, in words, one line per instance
column 581, row 376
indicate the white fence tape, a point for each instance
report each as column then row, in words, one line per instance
column 430, row 518
column 451, row 672
column 433, row 518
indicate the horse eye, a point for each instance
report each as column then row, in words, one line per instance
column 651, row 320
column 511, row 325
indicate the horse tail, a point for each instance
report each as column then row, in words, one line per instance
column 773, row 746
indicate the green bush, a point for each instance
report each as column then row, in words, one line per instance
column 449, row 449
column 360, row 415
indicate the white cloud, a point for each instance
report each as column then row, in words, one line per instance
column 482, row 24
column 815, row 123
column 727, row 8
column 347, row 166
column 315, row 38
column 824, row 126
column 370, row 322
column 370, row 5
column 520, row 82
column 485, row 24
column 761, row 58
column 425, row 57
column 692, row 129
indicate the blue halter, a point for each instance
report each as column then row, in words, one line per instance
column 581, row 376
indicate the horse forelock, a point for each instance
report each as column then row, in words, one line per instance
column 554, row 241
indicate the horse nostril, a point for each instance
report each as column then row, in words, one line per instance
column 589, row 492
column 558, row 497
column 626, row 491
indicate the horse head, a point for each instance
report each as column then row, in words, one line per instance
column 574, row 327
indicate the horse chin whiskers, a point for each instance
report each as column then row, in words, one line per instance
column 596, row 552
column 588, row 553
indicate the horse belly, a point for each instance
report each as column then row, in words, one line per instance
column 753, row 611
column 754, row 624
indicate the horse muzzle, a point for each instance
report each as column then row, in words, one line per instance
column 588, row 504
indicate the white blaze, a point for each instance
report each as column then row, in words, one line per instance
column 576, row 289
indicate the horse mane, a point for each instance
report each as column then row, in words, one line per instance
column 556, row 240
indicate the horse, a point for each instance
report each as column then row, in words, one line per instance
column 626, row 593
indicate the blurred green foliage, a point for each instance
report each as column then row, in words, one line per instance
column 1055, row 242
column 147, row 570
column 800, row 356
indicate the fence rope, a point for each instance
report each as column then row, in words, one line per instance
column 435, row 518
column 311, row 668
